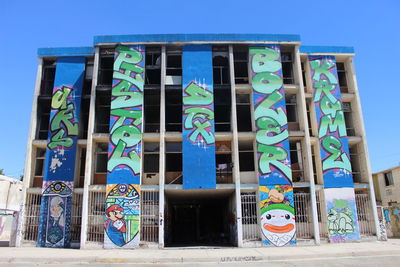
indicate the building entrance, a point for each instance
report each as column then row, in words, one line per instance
column 200, row 219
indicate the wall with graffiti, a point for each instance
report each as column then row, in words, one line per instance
column 273, row 156
column 125, row 149
column 58, row 181
column 334, row 149
column 198, row 139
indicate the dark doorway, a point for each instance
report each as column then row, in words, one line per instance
column 199, row 221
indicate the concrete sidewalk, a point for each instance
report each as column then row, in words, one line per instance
column 366, row 253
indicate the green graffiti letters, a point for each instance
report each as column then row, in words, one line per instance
column 63, row 123
column 199, row 115
column 332, row 122
column 271, row 120
column 126, row 109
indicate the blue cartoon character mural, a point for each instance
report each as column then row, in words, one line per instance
column 115, row 225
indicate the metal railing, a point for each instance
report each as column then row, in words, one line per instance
column 95, row 232
column 76, row 218
column 322, row 220
column 251, row 229
column 364, row 214
column 302, row 202
column 149, row 216
column 32, row 212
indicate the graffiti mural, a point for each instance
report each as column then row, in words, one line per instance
column 125, row 149
column 198, row 143
column 277, row 215
column 334, row 149
column 273, row 156
column 382, row 225
column 55, row 211
column 342, row 214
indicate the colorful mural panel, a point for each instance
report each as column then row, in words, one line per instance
column 342, row 214
column 334, row 149
column 198, row 143
column 277, row 215
column 55, row 211
column 273, row 150
column 125, row 149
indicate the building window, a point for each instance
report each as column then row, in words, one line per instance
column 87, row 83
column 222, row 109
column 303, row 74
column 309, row 117
column 174, row 66
column 82, row 166
column 388, row 178
column 314, row 166
column 173, row 110
column 246, row 156
column 221, row 65
column 287, row 67
column 355, row 164
column 243, row 113
column 39, row 167
column 173, row 163
column 151, row 157
column 103, row 102
column 43, row 117
column 291, row 112
column 296, row 161
column 48, row 76
column 223, row 159
column 342, row 77
column 153, row 66
column 106, row 65
column 152, row 110
column 101, row 156
column 240, row 60
column 348, row 119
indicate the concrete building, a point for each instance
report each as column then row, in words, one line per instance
column 387, row 186
column 216, row 139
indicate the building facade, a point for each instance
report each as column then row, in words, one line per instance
column 196, row 139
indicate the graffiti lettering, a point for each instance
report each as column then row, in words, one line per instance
column 63, row 124
column 332, row 145
column 198, row 113
column 126, row 110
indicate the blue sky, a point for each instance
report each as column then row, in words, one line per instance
column 372, row 27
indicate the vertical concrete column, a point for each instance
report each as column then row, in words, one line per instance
column 161, row 170
column 89, row 151
column 359, row 117
column 307, row 153
column 29, row 154
column 235, row 151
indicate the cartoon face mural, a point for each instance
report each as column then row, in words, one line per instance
column 122, row 215
column 342, row 214
column 125, row 149
column 198, row 143
column 277, row 215
column 274, row 168
column 55, row 214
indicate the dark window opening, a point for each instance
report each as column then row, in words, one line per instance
column 221, row 65
column 388, row 178
column 173, row 163
column 39, row 167
column 341, row 71
column 151, row 157
column 222, row 109
column 243, row 113
column 43, row 117
column 173, row 110
column 246, row 157
column 314, row 166
column 355, row 164
column 287, row 67
column 240, row 60
column 82, row 168
column 223, row 160
column 100, row 172
column 291, row 112
column 153, row 66
column 174, row 66
column 103, row 102
column 87, row 82
column 152, row 110
column 48, row 76
column 309, row 118
column 106, row 66
column 84, row 118
column 303, row 74
column 296, row 161
column 348, row 118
